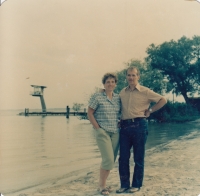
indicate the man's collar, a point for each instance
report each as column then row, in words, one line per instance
column 137, row 87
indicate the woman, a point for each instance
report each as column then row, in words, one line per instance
column 104, row 115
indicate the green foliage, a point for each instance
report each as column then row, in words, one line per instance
column 149, row 77
column 77, row 106
column 179, row 63
column 177, row 112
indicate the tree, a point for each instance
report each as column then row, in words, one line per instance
column 77, row 106
column 149, row 77
column 179, row 63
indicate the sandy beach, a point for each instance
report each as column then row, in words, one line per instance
column 171, row 169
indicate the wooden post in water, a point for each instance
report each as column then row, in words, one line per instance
column 85, row 112
column 26, row 111
column 67, row 111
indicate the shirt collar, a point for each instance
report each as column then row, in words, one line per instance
column 114, row 94
column 137, row 87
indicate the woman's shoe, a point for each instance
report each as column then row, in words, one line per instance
column 109, row 189
column 104, row 191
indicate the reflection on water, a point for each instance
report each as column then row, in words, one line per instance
column 37, row 149
column 162, row 133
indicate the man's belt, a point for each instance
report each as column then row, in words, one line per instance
column 132, row 120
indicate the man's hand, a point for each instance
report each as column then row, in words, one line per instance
column 147, row 113
column 156, row 107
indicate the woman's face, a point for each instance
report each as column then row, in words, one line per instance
column 110, row 84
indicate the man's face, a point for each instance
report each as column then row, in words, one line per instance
column 132, row 77
column 110, row 84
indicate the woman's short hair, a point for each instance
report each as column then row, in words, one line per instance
column 109, row 75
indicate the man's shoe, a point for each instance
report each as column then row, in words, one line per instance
column 122, row 190
column 133, row 190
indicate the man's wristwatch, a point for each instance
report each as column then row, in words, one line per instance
column 150, row 110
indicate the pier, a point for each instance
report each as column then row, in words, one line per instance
column 38, row 91
column 80, row 114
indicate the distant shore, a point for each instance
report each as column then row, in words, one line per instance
column 170, row 169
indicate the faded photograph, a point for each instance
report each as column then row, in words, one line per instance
column 99, row 97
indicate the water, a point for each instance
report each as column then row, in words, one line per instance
column 35, row 150
column 164, row 132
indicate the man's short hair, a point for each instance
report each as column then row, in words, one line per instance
column 109, row 75
column 132, row 68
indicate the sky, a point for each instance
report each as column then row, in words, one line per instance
column 68, row 45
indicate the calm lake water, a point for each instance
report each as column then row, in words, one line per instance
column 35, row 150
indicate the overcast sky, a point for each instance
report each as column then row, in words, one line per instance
column 67, row 45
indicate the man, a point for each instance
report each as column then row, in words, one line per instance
column 135, row 101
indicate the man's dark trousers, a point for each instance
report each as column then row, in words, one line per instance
column 132, row 134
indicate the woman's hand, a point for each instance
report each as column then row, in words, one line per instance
column 92, row 119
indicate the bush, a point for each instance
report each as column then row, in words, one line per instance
column 175, row 112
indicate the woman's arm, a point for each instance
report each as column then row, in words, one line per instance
column 92, row 119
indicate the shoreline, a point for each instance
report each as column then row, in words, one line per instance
column 170, row 169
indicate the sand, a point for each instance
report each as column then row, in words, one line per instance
column 171, row 169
